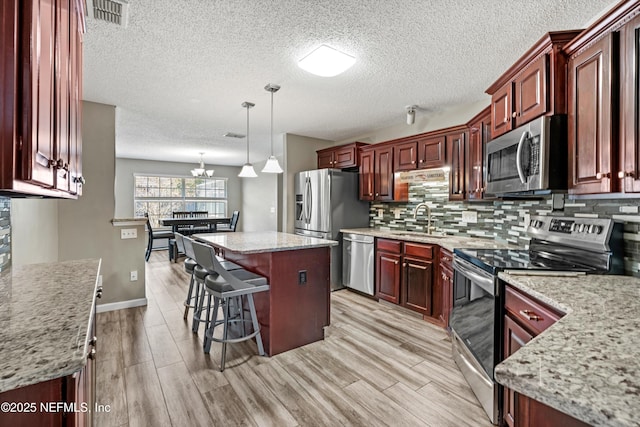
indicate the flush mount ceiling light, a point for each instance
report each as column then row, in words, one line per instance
column 247, row 170
column 411, row 113
column 200, row 171
column 325, row 61
column 272, row 165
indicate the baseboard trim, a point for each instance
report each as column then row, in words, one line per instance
column 101, row 308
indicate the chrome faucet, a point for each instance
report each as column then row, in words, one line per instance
column 428, row 208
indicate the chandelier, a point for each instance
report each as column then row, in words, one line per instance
column 200, row 171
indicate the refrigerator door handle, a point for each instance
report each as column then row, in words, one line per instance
column 308, row 201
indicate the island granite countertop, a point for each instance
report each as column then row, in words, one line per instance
column 587, row 364
column 262, row 241
column 448, row 242
column 45, row 312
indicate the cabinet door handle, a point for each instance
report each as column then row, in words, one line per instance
column 530, row 315
column 404, row 264
column 421, row 161
column 623, row 174
column 396, row 262
column 514, row 114
column 601, row 175
column 93, row 341
column 92, row 354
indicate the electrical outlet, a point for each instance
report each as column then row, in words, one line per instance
column 134, row 275
column 128, row 233
column 470, row 216
column 302, row 277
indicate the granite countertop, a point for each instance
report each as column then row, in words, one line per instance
column 448, row 242
column 588, row 363
column 124, row 222
column 45, row 314
column 262, row 241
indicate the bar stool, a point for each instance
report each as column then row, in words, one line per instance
column 229, row 288
column 198, row 273
column 189, row 266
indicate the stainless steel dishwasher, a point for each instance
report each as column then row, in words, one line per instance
column 357, row 262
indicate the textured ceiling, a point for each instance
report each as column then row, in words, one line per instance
column 179, row 72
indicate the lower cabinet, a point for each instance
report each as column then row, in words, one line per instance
column 443, row 292
column 406, row 275
column 524, row 319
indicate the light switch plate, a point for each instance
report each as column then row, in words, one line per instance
column 134, row 275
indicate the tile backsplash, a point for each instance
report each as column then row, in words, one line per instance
column 5, row 233
column 503, row 220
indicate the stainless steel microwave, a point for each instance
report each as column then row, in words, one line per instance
column 530, row 159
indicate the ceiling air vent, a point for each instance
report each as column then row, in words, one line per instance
column 113, row 11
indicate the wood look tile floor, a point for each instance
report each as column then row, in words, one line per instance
column 377, row 366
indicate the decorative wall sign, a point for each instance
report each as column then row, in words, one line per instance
column 421, row 176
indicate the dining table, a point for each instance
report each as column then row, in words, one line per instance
column 211, row 222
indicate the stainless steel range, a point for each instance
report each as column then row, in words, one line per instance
column 558, row 246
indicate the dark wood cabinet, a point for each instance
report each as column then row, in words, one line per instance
column 457, row 159
column 525, row 318
column 443, row 290
column 41, row 77
column 629, row 159
column 592, row 112
column 383, row 172
column 479, row 135
column 535, row 85
column 405, row 156
column 420, row 153
column 366, row 176
column 41, row 80
column 388, row 270
column 406, row 275
column 341, row 157
column 377, row 181
column 431, row 152
column 417, row 277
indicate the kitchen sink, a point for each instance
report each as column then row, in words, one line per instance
column 418, row 234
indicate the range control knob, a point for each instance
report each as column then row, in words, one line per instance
column 582, row 228
column 574, row 227
column 595, row 229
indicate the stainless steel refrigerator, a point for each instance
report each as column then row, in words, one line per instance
column 326, row 201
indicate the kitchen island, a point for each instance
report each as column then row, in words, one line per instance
column 296, row 309
column 47, row 340
column 586, row 364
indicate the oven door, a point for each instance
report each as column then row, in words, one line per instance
column 475, row 332
column 474, row 313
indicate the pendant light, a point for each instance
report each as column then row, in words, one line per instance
column 200, row 171
column 272, row 165
column 247, row 170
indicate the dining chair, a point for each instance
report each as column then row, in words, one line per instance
column 155, row 235
column 229, row 288
column 184, row 229
column 200, row 228
column 232, row 224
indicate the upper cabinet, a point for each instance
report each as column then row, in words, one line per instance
column 41, row 82
column 342, row 157
column 456, row 141
column 603, row 104
column 479, row 129
column 419, row 152
column 377, row 180
column 533, row 86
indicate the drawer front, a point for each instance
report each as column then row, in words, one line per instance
column 446, row 258
column 415, row 249
column 393, row 246
column 533, row 315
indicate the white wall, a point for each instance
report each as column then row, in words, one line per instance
column 126, row 168
column 299, row 155
column 34, row 231
column 260, row 201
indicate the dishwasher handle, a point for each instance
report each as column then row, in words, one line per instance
column 358, row 238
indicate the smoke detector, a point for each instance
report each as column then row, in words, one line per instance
column 113, row 11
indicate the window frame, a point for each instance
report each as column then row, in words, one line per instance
column 183, row 200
